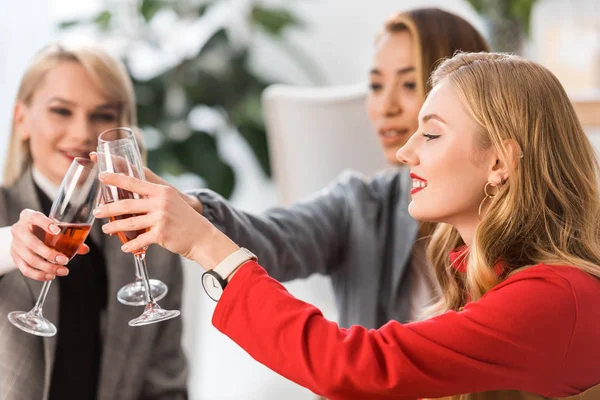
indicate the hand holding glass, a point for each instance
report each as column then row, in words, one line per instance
column 77, row 197
column 132, row 294
column 123, row 157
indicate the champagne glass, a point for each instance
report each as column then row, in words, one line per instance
column 124, row 158
column 77, row 197
column 131, row 294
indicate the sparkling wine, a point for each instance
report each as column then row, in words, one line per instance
column 69, row 239
column 126, row 236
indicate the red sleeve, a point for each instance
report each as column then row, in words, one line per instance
column 498, row 342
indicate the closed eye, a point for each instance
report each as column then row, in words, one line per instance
column 430, row 136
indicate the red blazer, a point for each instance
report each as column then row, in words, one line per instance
column 538, row 331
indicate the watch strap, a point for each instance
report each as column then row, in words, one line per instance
column 233, row 262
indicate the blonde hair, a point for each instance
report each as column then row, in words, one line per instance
column 108, row 73
column 437, row 35
column 548, row 210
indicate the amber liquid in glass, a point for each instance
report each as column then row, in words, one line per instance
column 126, row 236
column 69, row 239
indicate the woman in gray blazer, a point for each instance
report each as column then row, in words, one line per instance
column 67, row 96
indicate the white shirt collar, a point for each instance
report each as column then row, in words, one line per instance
column 45, row 184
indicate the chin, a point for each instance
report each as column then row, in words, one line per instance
column 422, row 214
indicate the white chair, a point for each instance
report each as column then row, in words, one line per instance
column 314, row 133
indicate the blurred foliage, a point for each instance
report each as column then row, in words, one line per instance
column 217, row 77
column 509, row 21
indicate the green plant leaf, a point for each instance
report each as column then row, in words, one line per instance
column 477, row 5
column 521, row 10
column 103, row 20
column 274, row 20
column 68, row 24
column 148, row 8
column 199, row 154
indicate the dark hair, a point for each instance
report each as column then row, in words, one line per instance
column 438, row 35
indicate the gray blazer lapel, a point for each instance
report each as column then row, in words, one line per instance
column 405, row 233
column 20, row 196
column 120, row 269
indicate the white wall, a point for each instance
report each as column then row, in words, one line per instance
column 24, row 27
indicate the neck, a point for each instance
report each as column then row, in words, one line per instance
column 466, row 229
column 49, row 188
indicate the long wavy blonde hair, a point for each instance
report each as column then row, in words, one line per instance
column 548, row 210
column 108, row 73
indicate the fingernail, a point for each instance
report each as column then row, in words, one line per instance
column 54, row 229
column 49, row 277
column 102, row 175
column 96, row 211
column 104, row 228
column 62, row 259
column 125, row 247
column 62, row 271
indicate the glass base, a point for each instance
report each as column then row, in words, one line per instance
column 134, row 294
column 32, row 323
column 153, row 313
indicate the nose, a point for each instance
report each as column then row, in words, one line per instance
column 82, row 131
column 407, row 154
column 391, row 106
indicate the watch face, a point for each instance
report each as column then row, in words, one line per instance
column 212, row 286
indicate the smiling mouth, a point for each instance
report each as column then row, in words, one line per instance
column 417, row 186
column 392, row 133
column 74, row 154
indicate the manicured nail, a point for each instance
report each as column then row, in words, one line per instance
column 54, row 229
column 62, row 271
column 104, row 228
column 96, row 211
column 62, row 259
column 49, row 277
column 125, row 247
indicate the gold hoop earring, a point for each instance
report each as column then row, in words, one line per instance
column 486, row 189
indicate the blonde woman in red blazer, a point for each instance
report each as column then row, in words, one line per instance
column 501, row 160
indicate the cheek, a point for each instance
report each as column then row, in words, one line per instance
column 455, row 189
column 373, row 107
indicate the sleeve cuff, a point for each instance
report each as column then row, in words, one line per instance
column 241, row 282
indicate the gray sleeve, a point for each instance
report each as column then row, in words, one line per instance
column 306, row 238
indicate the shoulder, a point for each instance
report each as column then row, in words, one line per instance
column 560, row 291
column 564, row 277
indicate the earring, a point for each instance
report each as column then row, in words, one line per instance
column 486, row 189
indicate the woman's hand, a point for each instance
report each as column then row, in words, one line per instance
column 193, row 201
column 30, row 254
column 171, row 222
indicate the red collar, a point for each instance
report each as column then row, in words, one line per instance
column 460, row 256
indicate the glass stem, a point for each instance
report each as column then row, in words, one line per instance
column 138, row 273
column 140, row 261
column 37, row 309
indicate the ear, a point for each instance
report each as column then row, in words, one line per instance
column 19, row 116
column 500, row 170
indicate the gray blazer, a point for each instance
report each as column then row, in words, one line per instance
column 356, row 231
column 137, row 363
